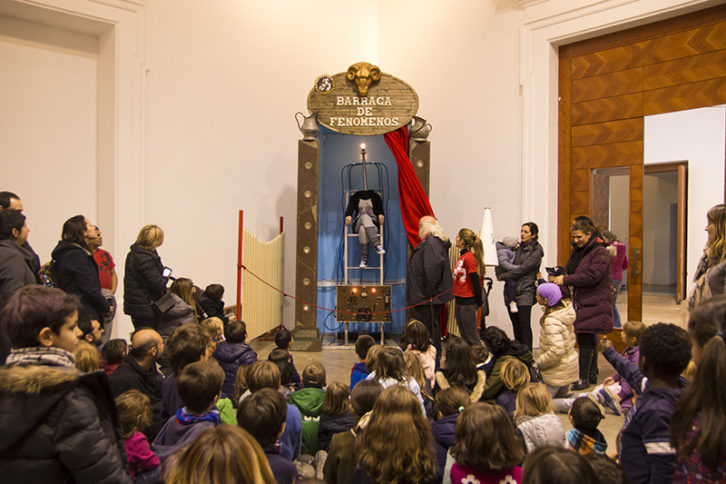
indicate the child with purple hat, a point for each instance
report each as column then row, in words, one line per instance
column 557, row 359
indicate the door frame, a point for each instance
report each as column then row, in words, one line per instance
column 681, row 169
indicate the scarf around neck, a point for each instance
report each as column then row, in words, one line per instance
column 183, row 416
column 40, row 356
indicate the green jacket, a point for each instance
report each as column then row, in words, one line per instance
column 310, row 403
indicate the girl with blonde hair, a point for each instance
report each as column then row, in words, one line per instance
column 468, row 275
column 397, row 446
column 536, row 419
column 222, row 454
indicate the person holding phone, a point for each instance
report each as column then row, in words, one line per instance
column 145, row 278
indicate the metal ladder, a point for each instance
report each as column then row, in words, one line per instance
column 382, row 171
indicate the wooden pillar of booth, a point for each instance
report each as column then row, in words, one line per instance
column 306, row 336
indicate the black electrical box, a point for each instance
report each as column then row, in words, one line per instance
column 364, row 304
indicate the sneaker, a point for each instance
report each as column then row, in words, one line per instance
column 363, row 264
column 580, row 385
column 609, row 401
column 380, row 250
column 513, row 307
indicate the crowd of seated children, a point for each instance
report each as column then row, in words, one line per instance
column 584, row 437
column 224, row 453
column 460, row 370
column 515, row 375
column 233, row 353
column 450, row 402
column 187, row 344
column 113, row 353
column 265, row 374
column 342, row 456
column 283, row 340
column 309, row 400
column 199, row 385
column 263, row 415
column 536, row 419
column 360, row 369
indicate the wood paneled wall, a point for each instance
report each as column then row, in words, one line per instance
column 607, row 85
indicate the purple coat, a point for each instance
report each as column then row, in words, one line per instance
column 591, row 296
column 632, row 354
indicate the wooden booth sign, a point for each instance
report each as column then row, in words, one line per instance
column 362, row 101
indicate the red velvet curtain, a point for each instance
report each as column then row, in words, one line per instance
column 411, row 196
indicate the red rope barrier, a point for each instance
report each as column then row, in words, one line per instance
column 291, row 296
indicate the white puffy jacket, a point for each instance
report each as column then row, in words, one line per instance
column 557, row 359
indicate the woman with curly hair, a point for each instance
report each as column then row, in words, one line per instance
column 397, row 446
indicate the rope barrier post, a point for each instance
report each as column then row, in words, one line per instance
column 239, row 264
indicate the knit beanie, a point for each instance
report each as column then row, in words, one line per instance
column 551, row 292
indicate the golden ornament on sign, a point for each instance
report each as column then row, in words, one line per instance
column 363, row 74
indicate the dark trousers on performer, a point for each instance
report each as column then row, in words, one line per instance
column 521, row 324
column 428, row 314
column 587, row 343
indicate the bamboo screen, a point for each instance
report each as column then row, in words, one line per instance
column 262, row 305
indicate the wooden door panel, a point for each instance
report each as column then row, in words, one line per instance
column 610, row 60
column 608, row 109
column 580, row 178
column 711, row 65
column 607, row 155
column 687, row 43
column 607, row 85
column 609, row 132
column 685, row 96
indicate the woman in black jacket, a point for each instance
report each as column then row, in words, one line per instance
column 144, row 281
column 74, row 269
column 527, row 258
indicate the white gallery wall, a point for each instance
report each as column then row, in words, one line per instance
column 697, row 136
column 48, row 125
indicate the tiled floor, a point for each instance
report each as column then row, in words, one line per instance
column 658, row 306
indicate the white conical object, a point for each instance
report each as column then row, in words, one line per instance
column 486, row 234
